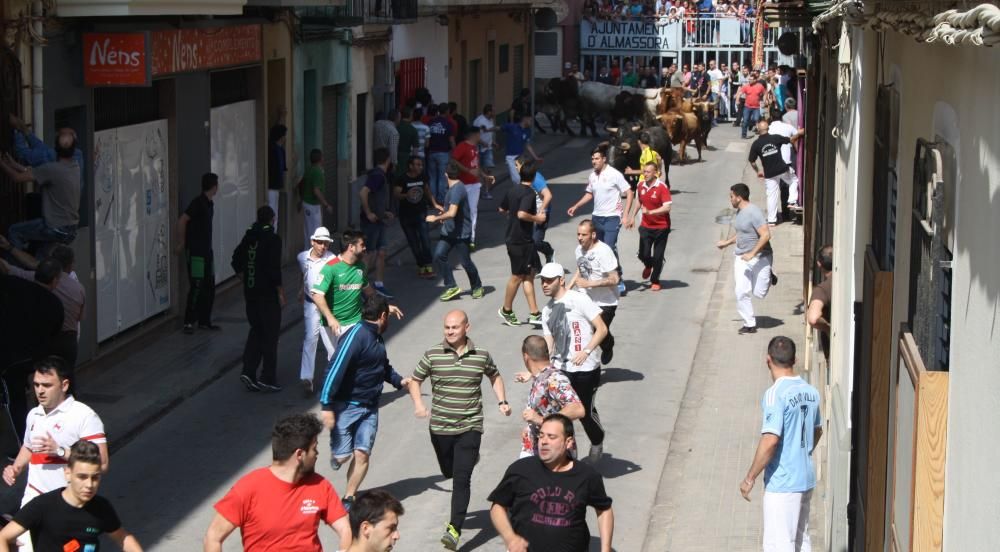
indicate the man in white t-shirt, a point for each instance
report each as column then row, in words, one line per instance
column 606, row 186
column 789, row 180
column 53, row 427
column 573, row 329
column 597, row 276
column 715, row 80
column 311, row 261
column 487, row 127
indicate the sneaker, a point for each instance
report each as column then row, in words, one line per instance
column 269, row 387
column 250, row 384
column 596, row 451
column 607, row 353
column 621, row 289
column 656, row 286
column 380, row 289
column 450, row 293
column 774, row 279
column 747, row 330
column 347, row 501
column 472, row 246
column 307, row 387
column 509, row 318
column 478, row 292
column 450, row 537
column 646, row 272
column 535, row 319
column 211, row 327
column 189, row 329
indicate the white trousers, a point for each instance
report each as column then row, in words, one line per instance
column 272, row 202
column 786, row 522
column 793, row 185
column 515, row 176
column 473, row 191
column 314, row 330
column 751, row 277
column 312, row 218
column 773, row 188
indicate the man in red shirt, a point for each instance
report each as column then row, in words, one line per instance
column 654, row 228
column 279, row 507
column 751, row 92
column 466, row 155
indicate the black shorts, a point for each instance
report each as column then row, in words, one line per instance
column 524, row 259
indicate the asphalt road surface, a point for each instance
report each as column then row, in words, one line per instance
column 165, row 482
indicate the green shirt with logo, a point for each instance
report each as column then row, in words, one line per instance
column 341, row 284
column 313, row 180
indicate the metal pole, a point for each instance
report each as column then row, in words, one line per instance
column 37, row 111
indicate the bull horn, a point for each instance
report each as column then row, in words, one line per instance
column 611, row 129
column 637, row 128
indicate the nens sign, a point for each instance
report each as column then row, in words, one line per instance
column 629, row 36
column 115, row 59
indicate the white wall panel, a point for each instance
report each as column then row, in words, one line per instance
column 234, row 159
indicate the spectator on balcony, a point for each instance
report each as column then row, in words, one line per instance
column 630, row 77
column 590, row 10
column 635, row 9
column 616, row 73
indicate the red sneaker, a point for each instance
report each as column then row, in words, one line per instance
column 656, row 286
column 646, row 272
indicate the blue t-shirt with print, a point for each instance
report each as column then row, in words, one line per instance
column 791, row 411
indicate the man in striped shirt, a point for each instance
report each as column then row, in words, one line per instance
column 456, row 368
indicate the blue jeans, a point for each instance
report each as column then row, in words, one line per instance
column 607, row 231
column 441, row 252
column 35, row 230
column 419, row 240
column 486, row 158
column 436, row 164
column 354, row 428
column 538, row 236
column 750, row 117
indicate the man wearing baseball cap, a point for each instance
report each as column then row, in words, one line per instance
column 311, row 261
column 574, row 329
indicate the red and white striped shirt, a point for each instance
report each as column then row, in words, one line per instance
column 67, row 423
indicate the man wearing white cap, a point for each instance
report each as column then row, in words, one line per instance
column 573, row 330
column 311, row 261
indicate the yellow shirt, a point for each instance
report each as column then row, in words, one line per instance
column 650, row 156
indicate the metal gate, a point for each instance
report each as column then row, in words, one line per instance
column 409, row 77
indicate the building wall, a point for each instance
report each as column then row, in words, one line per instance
column 276, row 46
column 476, row 30
column 427, row 39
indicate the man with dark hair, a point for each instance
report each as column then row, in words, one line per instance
column 375, row 521
column 486, row 123
column 375, row 215
column 517, row 141
column 522, row 215
column 562, row 523
column 753, row 255
column 257, row 261
column 461, row 123
column 466, row 156
column 73, row 517
column 455, row 234
column 596, row 276
column 551, row 392
column 414, row 196
column 60, row 183
column 351, row 392
column 279, row 507
column 775, row 167
column 818, row 311
column 456, row 368
column 312, row 193
column 792, row 426
column 277, row 166
column 440, row 141
column 654, row 225
column 408, row 140
column 194, row 239
column 53, row 427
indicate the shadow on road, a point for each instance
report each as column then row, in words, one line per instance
column 479, row 519
column 611, row 467
column 616, row 375
column 766, row 322
column 405, row 488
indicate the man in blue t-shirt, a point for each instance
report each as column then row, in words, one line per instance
column 790, row 430
column 456, row 232
column 543, row 204
column 516, row 139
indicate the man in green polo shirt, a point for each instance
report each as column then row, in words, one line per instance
column 456, row 368
column 311, row 192
column 338, row 288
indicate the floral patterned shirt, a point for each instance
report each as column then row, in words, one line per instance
column 550, row 392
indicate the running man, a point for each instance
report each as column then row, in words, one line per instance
column 466, row 156
column 456, row 233
column 606, row 186
column 551, row 392
column 596, row 276
column 573, row 329
column 311, row 262
column 456, row 368
column 752, row 265
column 792, row 426
column 654, row 226
column 521, row 208
column 774, row 167
column 352, row 389
column 74, row 517
column 517, row 141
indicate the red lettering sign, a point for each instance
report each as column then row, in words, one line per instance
column 115, row 59
column 183, row 50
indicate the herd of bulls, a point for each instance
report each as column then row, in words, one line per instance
column 664, row 114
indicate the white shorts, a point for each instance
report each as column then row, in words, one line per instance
column 786, row 522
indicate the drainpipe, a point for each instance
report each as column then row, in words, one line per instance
column 37, row 12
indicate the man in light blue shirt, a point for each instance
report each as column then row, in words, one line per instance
column 790, row 429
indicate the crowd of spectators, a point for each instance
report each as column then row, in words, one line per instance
column 692, row 14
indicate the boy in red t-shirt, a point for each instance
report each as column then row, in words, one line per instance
column 654, row 201
column 279, row 507
column 466, row 154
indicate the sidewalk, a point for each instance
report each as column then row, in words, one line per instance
column 698, row 505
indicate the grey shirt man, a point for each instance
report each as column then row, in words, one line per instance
column 746, row 223
column 60, row 183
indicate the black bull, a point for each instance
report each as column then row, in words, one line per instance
column 624, row 151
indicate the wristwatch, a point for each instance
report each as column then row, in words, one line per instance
column 61, row 452
column 588, row 351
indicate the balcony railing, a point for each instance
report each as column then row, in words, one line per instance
column 699, row 30
column 360, row 12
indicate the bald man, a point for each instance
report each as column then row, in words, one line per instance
column 456, row 368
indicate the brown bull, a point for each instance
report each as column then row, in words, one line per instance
column 683, row 127
column 705, row 111
column 673, row 98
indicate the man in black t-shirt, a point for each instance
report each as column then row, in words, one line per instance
column 522, row 212
column 414, row 197
column 767, row 148
column 541, row 502
column 194, row 230
column 72, row 518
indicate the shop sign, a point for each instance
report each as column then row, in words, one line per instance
column 115, row 59
column 629, row 36
column 183, row 50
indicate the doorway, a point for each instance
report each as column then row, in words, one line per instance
column 474, row 75
column 361, row 134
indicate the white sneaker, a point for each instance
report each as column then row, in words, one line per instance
column 596, row 451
